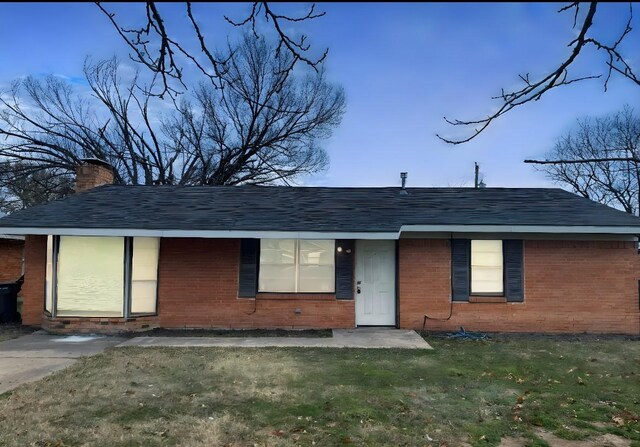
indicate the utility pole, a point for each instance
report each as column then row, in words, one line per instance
column 477, row 170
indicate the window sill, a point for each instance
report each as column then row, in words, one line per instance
column 133, row 317
column 487, row 299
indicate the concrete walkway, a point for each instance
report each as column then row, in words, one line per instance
column 34, row 356
column 342, row 338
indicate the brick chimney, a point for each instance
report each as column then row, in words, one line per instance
column 92, row 172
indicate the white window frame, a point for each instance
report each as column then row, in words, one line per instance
column 296, row 264
column 130, row 279
column 471, row 269
column 127, row 272
column 50, row 275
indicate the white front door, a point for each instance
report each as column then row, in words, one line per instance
column 375, row 283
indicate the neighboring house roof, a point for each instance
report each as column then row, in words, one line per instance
column 164, row 209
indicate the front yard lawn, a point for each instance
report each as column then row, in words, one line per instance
column 516, row 391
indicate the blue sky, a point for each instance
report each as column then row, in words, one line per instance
column 403, row 67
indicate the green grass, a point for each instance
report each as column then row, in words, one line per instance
column 462, row 392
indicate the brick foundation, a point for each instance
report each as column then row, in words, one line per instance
column 64, row 325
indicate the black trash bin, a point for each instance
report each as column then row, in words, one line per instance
column 9, row 301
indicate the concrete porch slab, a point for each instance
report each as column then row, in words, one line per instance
column 375, row 337
column 366, row 338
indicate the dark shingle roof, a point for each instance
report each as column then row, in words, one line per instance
column 314, row 209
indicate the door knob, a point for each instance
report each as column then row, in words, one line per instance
column 358, row 289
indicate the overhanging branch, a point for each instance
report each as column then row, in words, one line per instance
column 559, row 76
column 588, row 160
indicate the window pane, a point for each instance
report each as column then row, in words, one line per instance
column 316, row 272
column 487, row 280
column 277, row 265
column 90, row 276
column 486, row 267
column 316, row 278
column 48, row 301
column 144, row 274
column 143, row 297
column 289, row 265
column 277, row 278
column 277, row 251
column 317, row 252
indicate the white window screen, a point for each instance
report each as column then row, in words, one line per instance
column 48, row 299
column 291, row 265
column 90, row 276
column 144, row 275
column 486, row 267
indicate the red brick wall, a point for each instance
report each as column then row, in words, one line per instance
column 424, row 272
column 102, row 325
column 10, row 259
column 198, row 287
column 35, row 258
column 89, row 176
column 570, row 286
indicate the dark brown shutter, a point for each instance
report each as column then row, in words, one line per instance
column 513, row 270
column 249, row 260
column 460, row 266
column 344, row 269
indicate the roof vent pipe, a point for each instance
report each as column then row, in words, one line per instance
column 403, row 177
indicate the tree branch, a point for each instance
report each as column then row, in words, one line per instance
column 558, row 77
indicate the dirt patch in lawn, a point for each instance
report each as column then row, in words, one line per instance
column 606, row 440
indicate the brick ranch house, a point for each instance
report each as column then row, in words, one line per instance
column 114, row 258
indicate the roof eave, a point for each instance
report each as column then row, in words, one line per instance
column 221, row 234
column 258, row 234
column 535, row 229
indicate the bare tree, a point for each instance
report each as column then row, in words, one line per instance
column 50, row 126
column 266, row 126
column 156, row 48
column 534, row 89
column 600, row 160
column 23, row 185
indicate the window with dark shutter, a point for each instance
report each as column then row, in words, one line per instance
column 460, row 263
column 513, row 270
column 487, row 268
column 248, row 278
column 344, row 269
